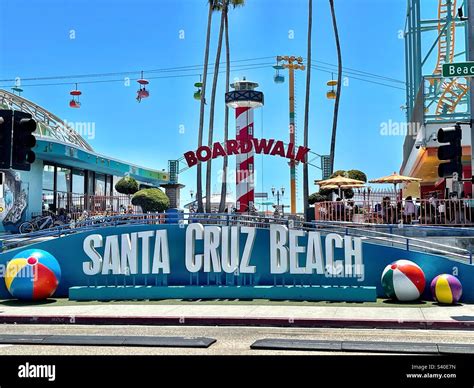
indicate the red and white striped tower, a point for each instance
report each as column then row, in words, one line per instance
column 244, row 99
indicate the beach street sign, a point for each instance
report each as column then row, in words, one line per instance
column 461, row 69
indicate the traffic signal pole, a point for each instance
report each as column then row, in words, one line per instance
column 470, row 37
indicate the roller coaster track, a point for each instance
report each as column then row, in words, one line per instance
column 447, row 36
column 453, row 92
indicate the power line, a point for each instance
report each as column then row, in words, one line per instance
column 365, row 73
column 239, row 67
column 150, row 78
column 190, row 68
column 96, row 75
column 318, row 68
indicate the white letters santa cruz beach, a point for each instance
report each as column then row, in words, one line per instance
column 225, row 249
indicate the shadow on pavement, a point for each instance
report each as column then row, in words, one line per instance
column 463, row 318
column 19, row 303
column 411, row 303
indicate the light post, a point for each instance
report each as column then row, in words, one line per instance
column 191, row 193
column 279, row 193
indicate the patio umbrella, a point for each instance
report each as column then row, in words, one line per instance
column 395, row 179
column 339, row 182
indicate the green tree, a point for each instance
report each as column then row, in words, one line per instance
column 317, row 197
column 357, row 174
column 151, row 200
column 306, row 105
column 338, row 89
column 234, row 3
column 127, row 185
column 339, row 173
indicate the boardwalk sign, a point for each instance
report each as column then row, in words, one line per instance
column 237, row 147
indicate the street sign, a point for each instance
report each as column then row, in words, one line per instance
column 261, row 195
column 326, row 166
column 461, row 69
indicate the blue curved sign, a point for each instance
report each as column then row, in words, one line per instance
column 193, row 257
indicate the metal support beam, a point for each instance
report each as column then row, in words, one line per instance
column 470, row 34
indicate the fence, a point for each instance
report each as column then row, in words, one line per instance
column 76, row 205
column 455, row 212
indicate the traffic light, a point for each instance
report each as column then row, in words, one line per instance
column 23, row 141
column 451, row 152
column 5, row 138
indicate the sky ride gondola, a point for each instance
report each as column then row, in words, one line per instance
column 142, row 92
column 198, row 93
column 331, row 94
column 17, row 89
column 278, row 78
column 74, row 102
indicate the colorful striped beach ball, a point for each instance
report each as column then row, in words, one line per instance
column 446, row 289
column 403, row 280
column 32, row 274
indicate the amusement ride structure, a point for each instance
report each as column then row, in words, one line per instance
column 433, row 37
column 443, row 98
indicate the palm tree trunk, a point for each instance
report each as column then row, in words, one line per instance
column 226, row 115
column 338, row 90
column 211, row 113
column 201, row 111
column 306, row 107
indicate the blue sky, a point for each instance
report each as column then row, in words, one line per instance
column 124, row 35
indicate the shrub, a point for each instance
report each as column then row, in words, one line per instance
column 357, row 174
column 151, row 200
column 127, row 185
column 317, row 197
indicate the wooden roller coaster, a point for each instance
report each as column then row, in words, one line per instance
column 453, row 92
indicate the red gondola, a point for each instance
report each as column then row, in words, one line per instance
column 74, row 102
column 142, row 91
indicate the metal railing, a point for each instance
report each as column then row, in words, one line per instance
column 443, row 212
column 387, row 239
column 94, row 205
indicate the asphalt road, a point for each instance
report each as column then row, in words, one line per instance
column 230, row 340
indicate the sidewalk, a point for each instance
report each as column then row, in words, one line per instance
column 436, row 317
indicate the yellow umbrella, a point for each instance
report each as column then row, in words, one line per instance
column 339, row 182
column 395, row 179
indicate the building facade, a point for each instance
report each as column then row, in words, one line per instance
column 67, row 173
column 434, row 35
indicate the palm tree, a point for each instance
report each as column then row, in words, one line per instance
column 235, row 3
column 203, row 101
column 338, row 90
column 221, row 5
column 306, row 107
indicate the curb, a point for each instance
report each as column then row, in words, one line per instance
column 238, row 321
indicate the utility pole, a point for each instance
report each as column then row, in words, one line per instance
column 470, row 37
column 292, row 64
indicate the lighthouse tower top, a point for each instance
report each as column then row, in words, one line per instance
column 244, row 85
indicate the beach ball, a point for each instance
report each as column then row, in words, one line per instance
column 32, row 274
column 446, row 289
column 403, row 280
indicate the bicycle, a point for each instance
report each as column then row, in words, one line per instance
column 39, row 223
